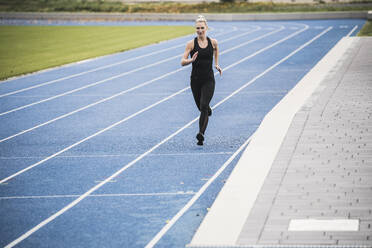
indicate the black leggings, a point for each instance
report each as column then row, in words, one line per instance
column 202, row 91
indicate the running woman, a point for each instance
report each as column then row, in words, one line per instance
column 201, row 50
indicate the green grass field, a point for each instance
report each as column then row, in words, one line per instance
column 25, row 49
column 366, row 30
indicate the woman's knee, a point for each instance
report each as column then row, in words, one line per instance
column 204, row 107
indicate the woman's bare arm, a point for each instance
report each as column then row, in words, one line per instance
column 216, row 53
column 185, row 60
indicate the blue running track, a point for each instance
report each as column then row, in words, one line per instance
column 102, row 153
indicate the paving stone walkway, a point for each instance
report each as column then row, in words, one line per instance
column 323, row 170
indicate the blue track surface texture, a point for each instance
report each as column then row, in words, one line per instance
column 103, row 153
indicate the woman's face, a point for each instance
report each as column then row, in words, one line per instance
column 201, row 28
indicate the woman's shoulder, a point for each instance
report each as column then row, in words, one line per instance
column 190, row 44
column 214, row 41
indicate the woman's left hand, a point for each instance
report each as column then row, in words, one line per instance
column 218, row 68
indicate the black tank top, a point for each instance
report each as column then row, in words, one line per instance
column 202, row 66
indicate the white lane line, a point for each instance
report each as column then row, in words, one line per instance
column 90, row 105
column 133, row 88
column 256, row 92
column 348, row 35
column 165, row 229
column 125, row 155
column 135, row 114
column 103, row 67
column 210, row 232
column 96, row 195
column 99, row 82
column 268, row 47
column 86, row 194
column 91, row 136
column 89, row 85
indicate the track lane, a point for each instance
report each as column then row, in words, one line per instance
column 155, row 220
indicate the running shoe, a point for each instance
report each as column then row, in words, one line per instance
column 200, row 138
